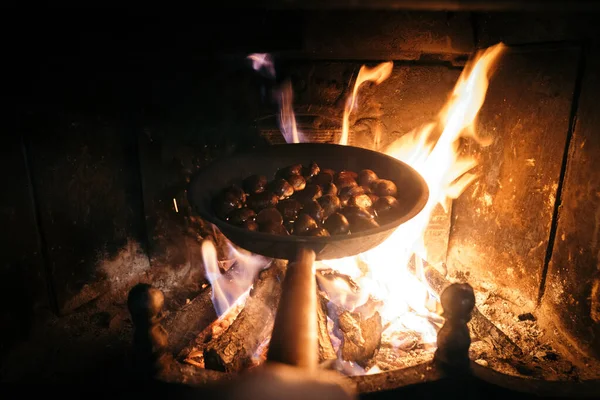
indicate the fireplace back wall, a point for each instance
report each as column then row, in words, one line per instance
column 110, row 123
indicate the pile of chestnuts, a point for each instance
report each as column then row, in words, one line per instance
column 307, row 200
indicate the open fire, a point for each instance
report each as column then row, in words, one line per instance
column 380, row 298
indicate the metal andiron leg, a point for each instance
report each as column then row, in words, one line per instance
column 454, row 340
column 150, row 339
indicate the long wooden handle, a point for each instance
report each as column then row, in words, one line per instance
column 294, row 340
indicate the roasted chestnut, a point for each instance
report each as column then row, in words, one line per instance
column 330, row 203
column 373, row 197
column 255, row 184
column 269, row 216
column 346, row 174
column 241, row 215
column 303, row 224
column 364, row 224
column 307, row 200
column 277, row 229
column 286, row 172
column 312, row 170
column 298, row 182
column 289, row 209
column 386, row 206
column 281, row 188
column 310, row 192
column 360, row 200
column 314, row 209
column 318, row 232
column 349, row 191
column 329, row 171
column 289, row 226
column 345, row 181
column 384, row 187
column 330, row 188
column 353, row 212
column 236, row 192
column 225, row 204
column 262, row 200
column 360, row 218
column 250, row 225
column 366, row 176
column 337, row 224
column 322, row 179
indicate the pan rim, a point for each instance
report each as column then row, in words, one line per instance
column 316, row 240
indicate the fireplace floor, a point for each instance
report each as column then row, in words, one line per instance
column 546, row 356
column 93, row 343
column 89, row 347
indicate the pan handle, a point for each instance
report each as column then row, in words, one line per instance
column 294, row 339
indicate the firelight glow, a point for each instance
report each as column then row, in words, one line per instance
column 383, row 282
column 402, row 296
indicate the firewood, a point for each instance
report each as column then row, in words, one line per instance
column 326, row 350
column 193, row 353
column 184, row 325
column 360, row 334
column 233, row 350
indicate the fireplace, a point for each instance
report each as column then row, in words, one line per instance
column 112, row 124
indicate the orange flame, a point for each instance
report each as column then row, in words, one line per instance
column 377, row 74
column 263, row 63
column 287, row 118
column 403, row 296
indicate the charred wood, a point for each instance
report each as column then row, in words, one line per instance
column 326, row 350
column 193, row 353
column 191, row 320
column 360, row 335
column 186, row 324
column 484, row 329
column 331, row 274
column 233, row 350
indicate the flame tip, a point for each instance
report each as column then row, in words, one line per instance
column 404, row 300
column 409, row 304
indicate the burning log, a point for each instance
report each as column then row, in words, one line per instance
column 360, row 335
column 326, row 350
column 481, row 327
column 193, row 353
column 233, row 350
column 186, row 324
